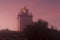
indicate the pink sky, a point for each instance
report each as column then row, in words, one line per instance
column 48, row 10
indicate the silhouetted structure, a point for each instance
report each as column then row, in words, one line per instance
column 24, row 18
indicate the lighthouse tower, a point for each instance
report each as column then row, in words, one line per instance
column 24, row 18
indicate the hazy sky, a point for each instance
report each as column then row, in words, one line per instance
column 48, row 10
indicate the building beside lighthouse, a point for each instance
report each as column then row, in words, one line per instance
column 24, row 18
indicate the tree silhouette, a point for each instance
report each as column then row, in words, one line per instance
column 40, row 31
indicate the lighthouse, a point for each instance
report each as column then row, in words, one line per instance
column 24, row 18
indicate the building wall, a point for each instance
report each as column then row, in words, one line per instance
column 25, row 20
